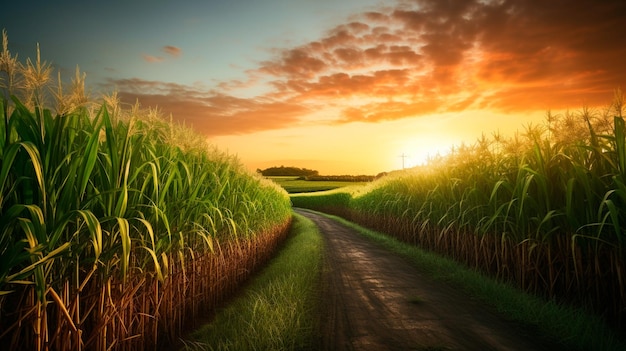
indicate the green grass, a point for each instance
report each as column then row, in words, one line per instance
column 294, row 185
column 571, row 327
column 277, row 311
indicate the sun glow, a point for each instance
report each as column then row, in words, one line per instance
column 417, row 151
column 418, row 140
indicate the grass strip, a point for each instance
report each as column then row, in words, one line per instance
column 277, row 310
column 571, row 327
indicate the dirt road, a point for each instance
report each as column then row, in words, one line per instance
column 374, row 300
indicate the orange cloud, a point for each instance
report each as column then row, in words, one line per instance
column 210, row 112
column 387, row 111
column 421, row 57
column 168, row 49
column 172, row 50
column 295, row 63
column 518, row 56
column 152, row 59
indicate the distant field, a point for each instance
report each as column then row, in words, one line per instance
column 293, row 185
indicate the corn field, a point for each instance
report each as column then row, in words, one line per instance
column 117, row 227
column 544, row 209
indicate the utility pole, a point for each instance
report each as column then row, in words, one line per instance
column 403, row 156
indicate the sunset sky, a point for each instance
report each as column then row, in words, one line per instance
column 344, row 87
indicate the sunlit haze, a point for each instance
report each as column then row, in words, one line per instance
column 343, row 87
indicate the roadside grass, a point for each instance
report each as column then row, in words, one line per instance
column 416, row 300
column 277, row 310
column 570, row 327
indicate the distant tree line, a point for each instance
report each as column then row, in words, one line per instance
column 340, row 178
column 313, row 175
column 287, row 171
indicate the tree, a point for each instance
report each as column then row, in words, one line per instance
column 287, row 171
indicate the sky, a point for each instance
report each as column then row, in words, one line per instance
column 343, row 87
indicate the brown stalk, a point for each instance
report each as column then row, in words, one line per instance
column 62, row 308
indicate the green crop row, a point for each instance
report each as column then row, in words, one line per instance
column 116, row 225
column 545, row 209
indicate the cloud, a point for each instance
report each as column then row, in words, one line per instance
column 420, row 57
column 209, row 112
column 152, row 59
column 509, row 55
column 297, row 62
column 172, row 50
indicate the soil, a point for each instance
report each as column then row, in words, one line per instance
column 375, row 300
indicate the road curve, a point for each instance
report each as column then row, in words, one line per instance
column 375, row 300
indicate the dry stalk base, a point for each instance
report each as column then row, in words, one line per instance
column 585, row 277
column 140, row 313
